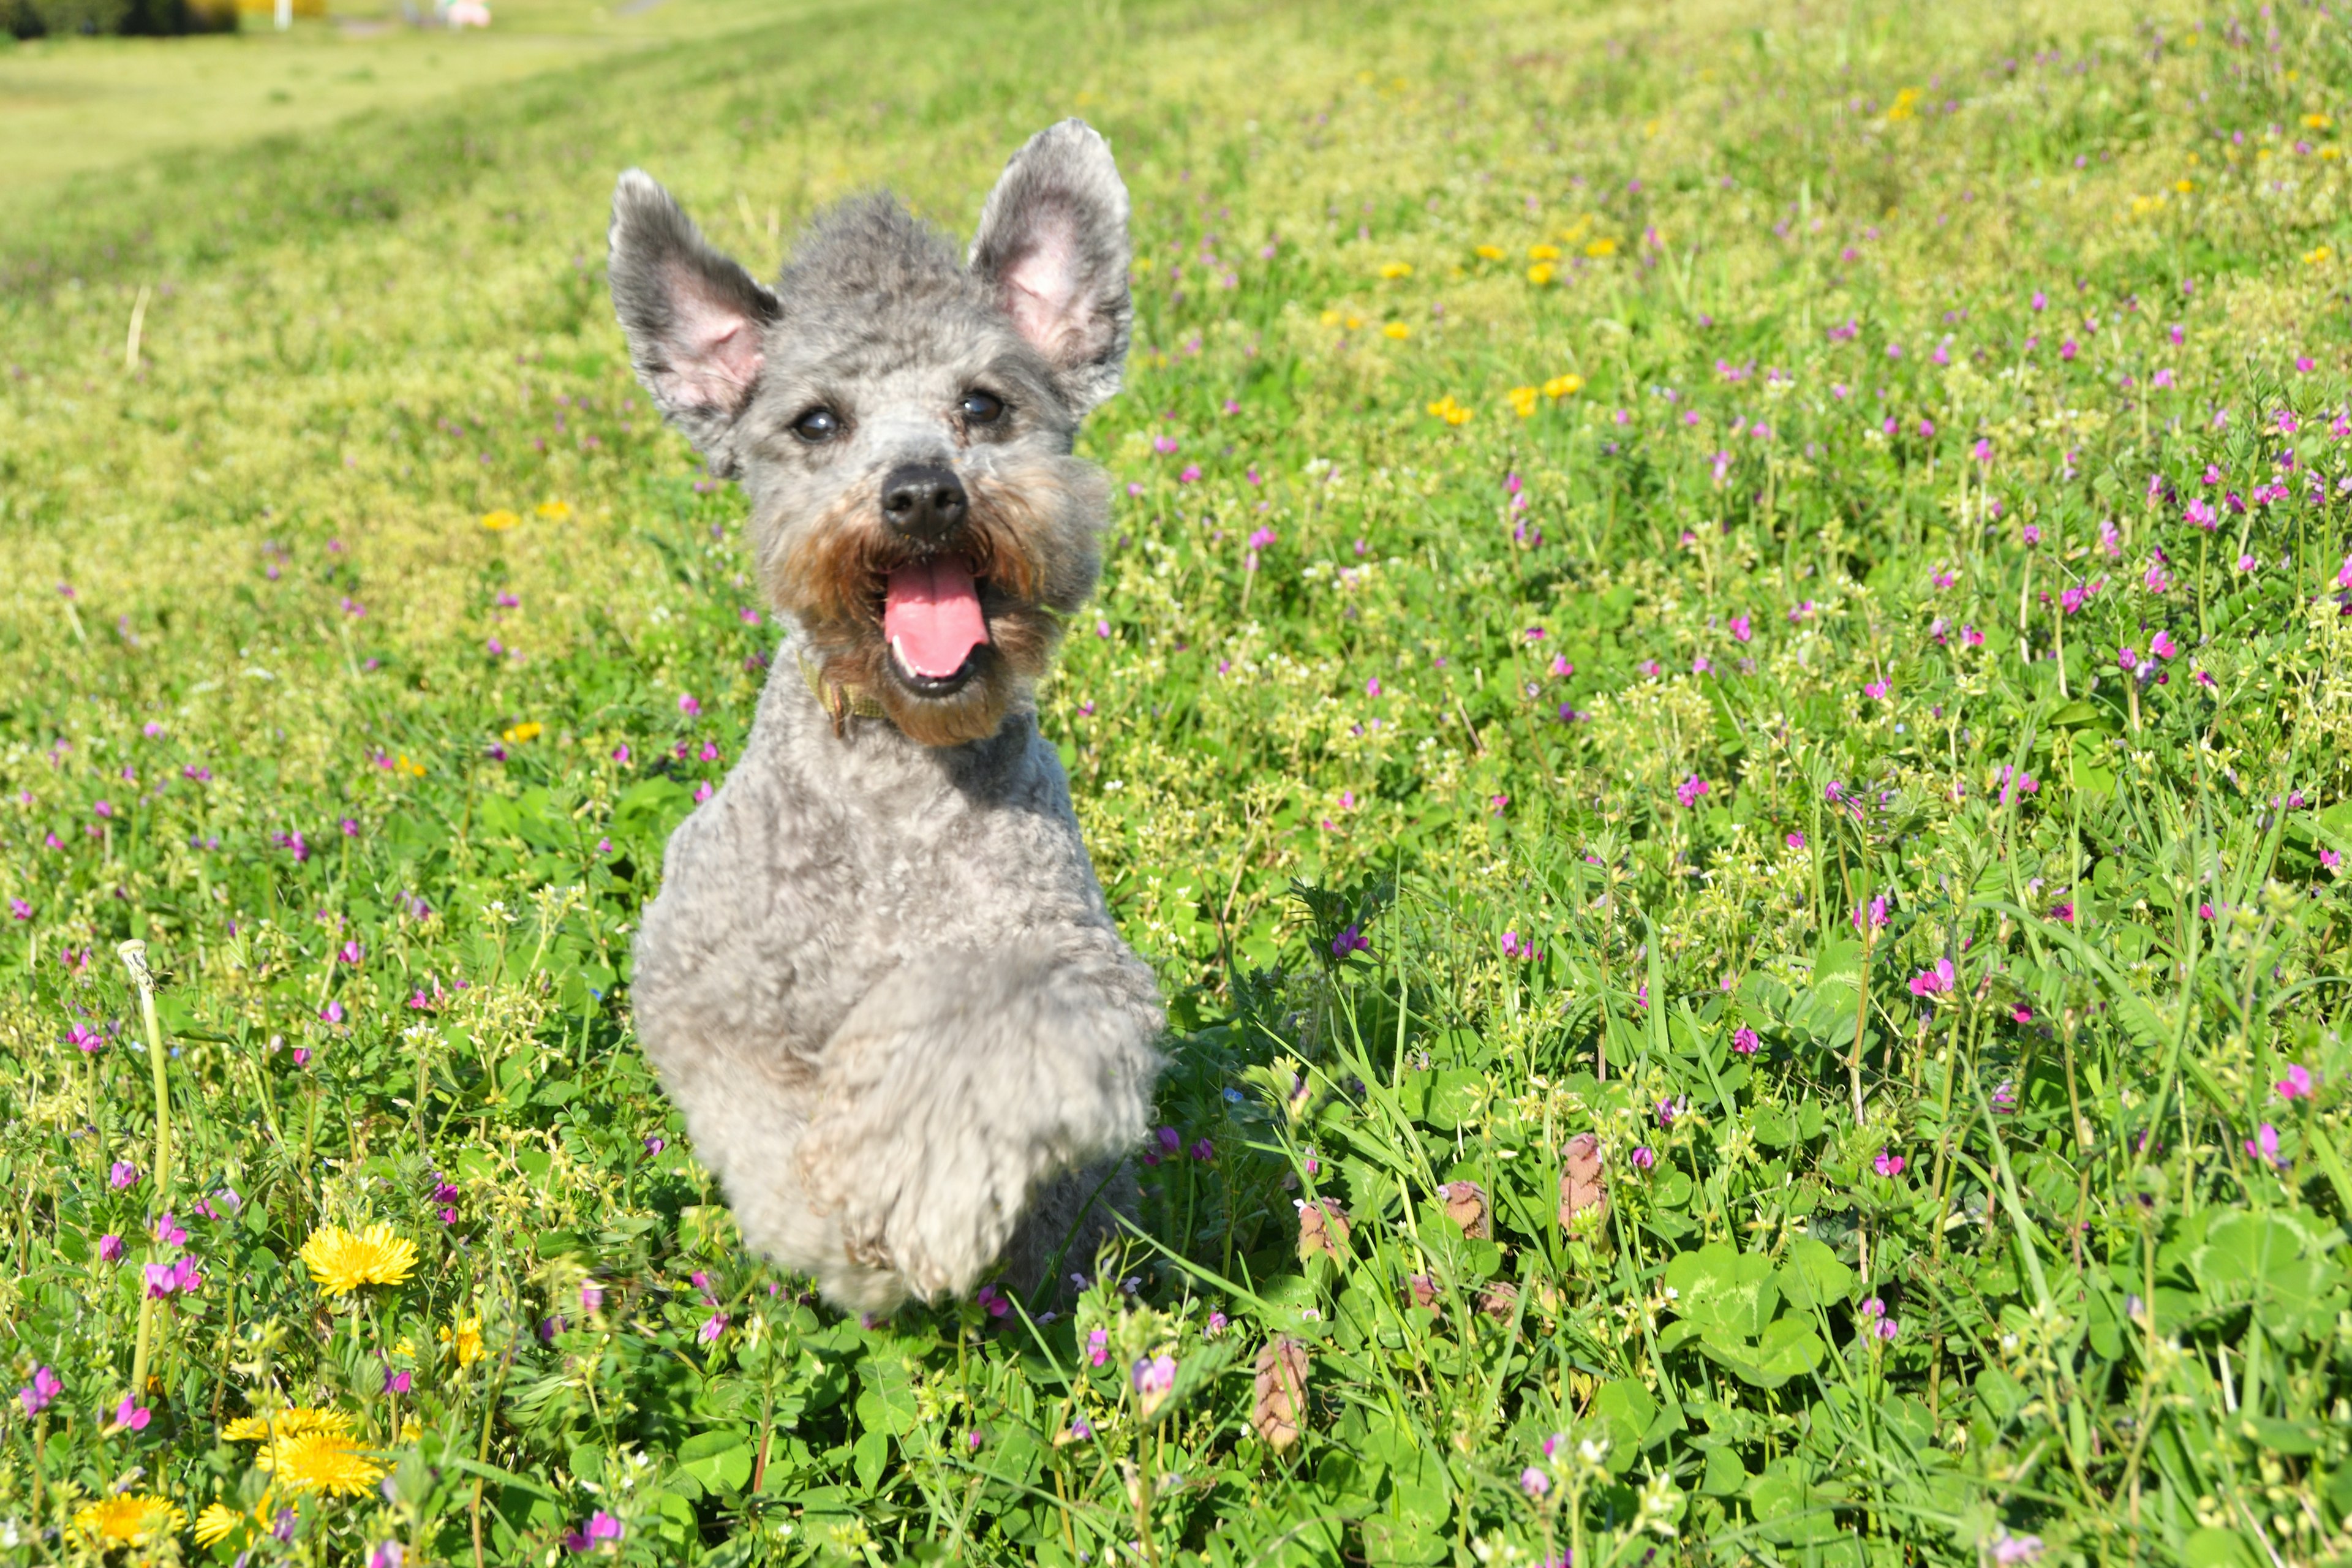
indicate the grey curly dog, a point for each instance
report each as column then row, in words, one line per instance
column 880, row 979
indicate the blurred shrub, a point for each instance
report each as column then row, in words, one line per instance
column 62, row 18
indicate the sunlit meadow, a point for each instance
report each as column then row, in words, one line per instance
column 1723, row 694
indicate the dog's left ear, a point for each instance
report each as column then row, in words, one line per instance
column 1053, row 242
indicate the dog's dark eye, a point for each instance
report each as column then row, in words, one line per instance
column 817, row 424
column 982, row 407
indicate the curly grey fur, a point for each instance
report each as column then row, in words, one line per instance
column 880, row 978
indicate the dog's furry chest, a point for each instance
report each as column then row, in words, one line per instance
column 826, row 862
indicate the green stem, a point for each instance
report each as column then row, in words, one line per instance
column 134, row 958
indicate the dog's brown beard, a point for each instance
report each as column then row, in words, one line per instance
column 1029, row 540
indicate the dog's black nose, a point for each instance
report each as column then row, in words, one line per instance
column 923, row 503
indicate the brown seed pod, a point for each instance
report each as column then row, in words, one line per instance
column 1581, row 1188
column 1322, row 1228
column 1281, row 1406
column 1465, row 1206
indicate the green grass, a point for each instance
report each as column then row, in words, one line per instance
column 2040, row 1264
column 73, row 106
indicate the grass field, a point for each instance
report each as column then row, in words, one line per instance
column 1766, row 585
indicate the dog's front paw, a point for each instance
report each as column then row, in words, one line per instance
column 926, row 1212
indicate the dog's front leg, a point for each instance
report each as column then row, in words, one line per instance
column 963, row 1082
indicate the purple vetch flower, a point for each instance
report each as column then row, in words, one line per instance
column 1933, row 982
column 992, row 1301
column 2009, row 1551
column 122, row 1175
column 169, row 1231
column 2265, row 1144
column 1644, row 1158
column 1743, row 1041
column 36, row 1396
column 84, row 1039
column 592, row 1297
column 712, row 1327
column 110, row 1248
column 1690, row 790
column 399, row 1381
column 1534, row 1481
column 2297, row 1085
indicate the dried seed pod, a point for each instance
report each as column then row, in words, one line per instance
column 1280, row 1409
column 1582, row 1189
column 1322, row 1228
column 1499, row 1300
column 1465, row 1206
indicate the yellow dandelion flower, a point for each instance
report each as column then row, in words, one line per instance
column 1490, row 253
column 465, row 1341
column 1601, row 249
column 1330, row 318
column 2316, row 121
column 1543, row 253
column 2317, row 256
column 2184, row 187
column 286, row 1423
column 414, row 770
column 131, row 1520
column 341, row 1262
column 527, row 730
column 411, row 1429
column 555, row 510
column 1393, row 269
column 1561, row 386
column 1354, row 322
column 498, row 521
column 1539, row 274
column 1523, row 400
column 319, row 1462
column 1396, row 330
column 1903, row 107
column 1452, row 412
column 216, row 1524
column 2331, row 152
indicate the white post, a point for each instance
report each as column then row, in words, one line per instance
column 285, row 15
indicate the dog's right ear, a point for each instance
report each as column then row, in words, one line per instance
column 694, row 318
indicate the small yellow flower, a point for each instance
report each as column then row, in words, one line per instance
column 1543, row 253
column 319, row 1462
column 341, row 1262
column 285, row 1423
column 1560, row 386
column 527, row 730
column 555, row 510
column 414, row 770
column 1354, row 322
column 130, row 1520
column 1523, row 400
column 2184, row 187
column 216, row 1523
column 498, row 521
column 466, row 1340
column 1396, row 330
column 1452, row 412
column 1539, row 274
column 1490, row 253
column 1330, row 318
column 2318, row 256
column 2316, row 121
column 1394, row 269
column 1602, row 248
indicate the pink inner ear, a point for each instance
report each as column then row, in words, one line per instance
column 715, row 354
column 1041, row 289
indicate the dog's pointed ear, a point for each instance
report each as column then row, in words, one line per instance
column 694, row 318
column 1053, row 244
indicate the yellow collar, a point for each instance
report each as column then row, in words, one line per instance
column 843, row 703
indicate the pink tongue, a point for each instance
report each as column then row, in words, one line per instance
column 932, row 617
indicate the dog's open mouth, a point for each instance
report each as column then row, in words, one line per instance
column 931, row 618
